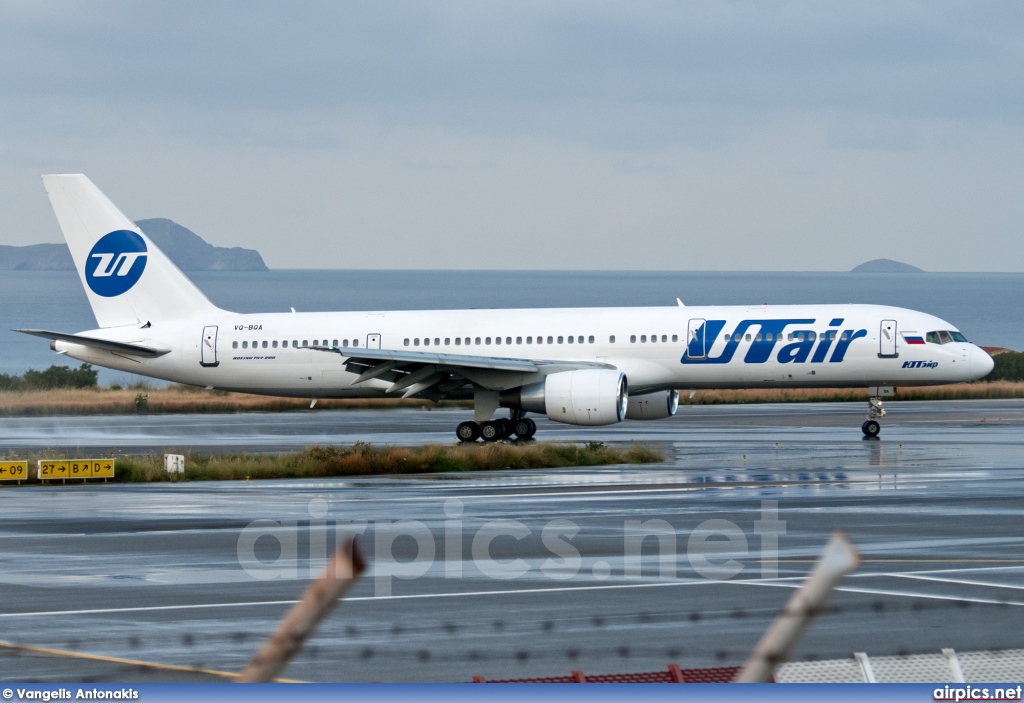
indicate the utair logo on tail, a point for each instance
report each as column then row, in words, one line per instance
column 764, row 335
column 116, row 263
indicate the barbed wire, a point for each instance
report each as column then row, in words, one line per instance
column 472, row 641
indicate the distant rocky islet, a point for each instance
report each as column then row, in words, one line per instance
column 185, row 248
column 885, row 266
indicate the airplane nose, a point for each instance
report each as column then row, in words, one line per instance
column 981, row 363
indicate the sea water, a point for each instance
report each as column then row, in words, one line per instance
column 987, row 307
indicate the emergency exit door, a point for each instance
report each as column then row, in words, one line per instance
column 696, row 339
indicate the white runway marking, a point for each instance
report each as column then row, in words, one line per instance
column 961, row 582
column 413, row 596
column 884, row 592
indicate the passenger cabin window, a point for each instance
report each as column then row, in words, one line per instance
column 519, row 340
column 559, row 340
column 334, row 343
column 675, row 338
column 426, row 342
column 570, row 339
column 245, row 345
column 416, row 342
column 497, row 340
column 406, row 342
column 234, row 345
column 305, row 343
column 590, row 339
column 632, row 339
column 274, row 345
column 549, row 340
column 529, row 340
column 264, row 344
column 611, row 339
column 477, row 340
column 447, row 341
column 488, row 340
column 355, row 342
column 458, row 341
column 508, row 340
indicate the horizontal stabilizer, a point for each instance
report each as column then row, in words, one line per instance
column 119, row 347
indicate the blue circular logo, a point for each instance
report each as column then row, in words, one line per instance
column 116, row 263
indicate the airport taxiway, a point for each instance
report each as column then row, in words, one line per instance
column 196, row 574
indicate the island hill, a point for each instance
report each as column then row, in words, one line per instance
column 885, row 266
column 185, row 248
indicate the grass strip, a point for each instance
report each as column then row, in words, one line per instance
column 980, row 390
column 363, row 459
column 185, row 399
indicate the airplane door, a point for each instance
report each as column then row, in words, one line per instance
column 208, row 347
column 887, row 339
column 696, row 340
column 373, row 341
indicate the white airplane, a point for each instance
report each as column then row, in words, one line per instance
column 581, row 366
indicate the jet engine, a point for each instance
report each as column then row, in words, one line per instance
column 653, row 406
column 583, row 397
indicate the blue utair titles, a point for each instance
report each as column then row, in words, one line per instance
column 769, row 334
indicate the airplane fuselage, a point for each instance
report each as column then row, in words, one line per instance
column 657, row 348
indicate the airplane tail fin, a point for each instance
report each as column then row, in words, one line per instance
column 127, row 279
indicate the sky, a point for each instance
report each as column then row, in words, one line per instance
column 531, row 135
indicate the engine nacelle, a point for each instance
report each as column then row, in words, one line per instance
column 653, row 406
column 584, row 397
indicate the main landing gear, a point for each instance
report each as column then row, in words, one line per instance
column 493, row 430
column 876, row 412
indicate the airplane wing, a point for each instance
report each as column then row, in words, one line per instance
column 119, row 347
column 415, row 371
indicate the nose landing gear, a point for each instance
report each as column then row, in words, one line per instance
column 876, row 412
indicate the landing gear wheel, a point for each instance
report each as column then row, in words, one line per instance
column 507, row 427
column 468, row 432
column 492, row 430
column 871, row 428
column 524, row 428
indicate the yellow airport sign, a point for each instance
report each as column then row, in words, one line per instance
column 13, row 470
column 76, row 468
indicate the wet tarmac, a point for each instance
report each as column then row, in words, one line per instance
column 530, row 573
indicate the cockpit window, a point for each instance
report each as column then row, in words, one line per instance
column 944, row 337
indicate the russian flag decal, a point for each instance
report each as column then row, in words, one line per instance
column 914, row 340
